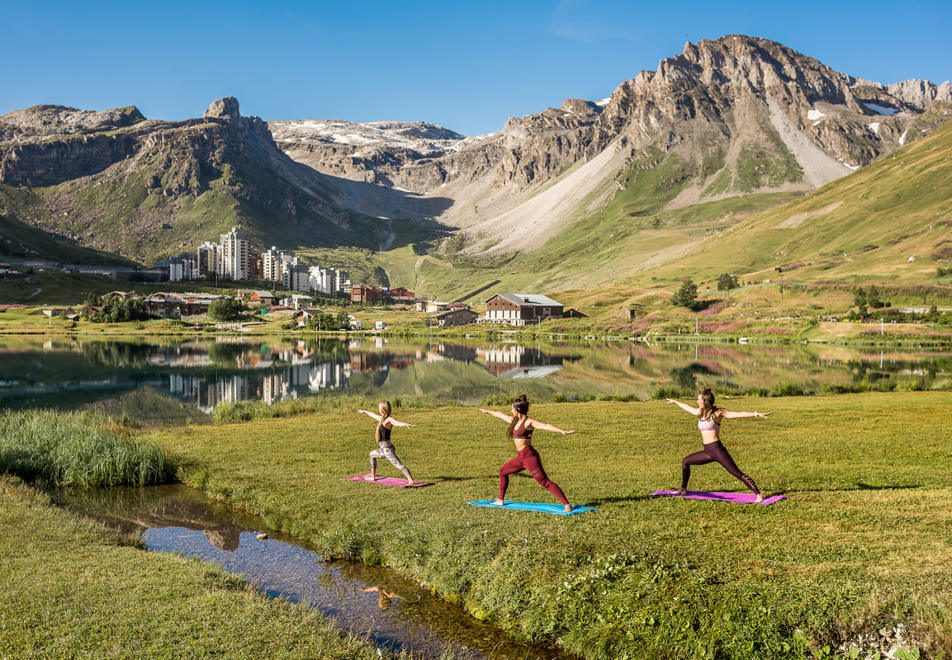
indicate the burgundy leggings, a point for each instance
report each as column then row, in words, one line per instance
column 714, row 451
column 528, row 459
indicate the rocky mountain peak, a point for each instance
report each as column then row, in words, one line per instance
column 63, row 120
column 225, row 108
column 920, row 93
column 581, row 107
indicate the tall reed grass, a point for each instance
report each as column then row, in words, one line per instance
column 80, row 449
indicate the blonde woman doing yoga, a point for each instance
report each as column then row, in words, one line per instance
column 385, row 448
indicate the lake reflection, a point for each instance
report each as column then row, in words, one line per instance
column 169, row 382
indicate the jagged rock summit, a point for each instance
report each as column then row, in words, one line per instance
column 224, row 108
column 728, row 116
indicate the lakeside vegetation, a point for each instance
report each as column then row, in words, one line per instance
column 857, row 549
column 63, row 449
column 72, row 589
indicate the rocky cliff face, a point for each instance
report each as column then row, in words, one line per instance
column 116, row 181
column 736, row 114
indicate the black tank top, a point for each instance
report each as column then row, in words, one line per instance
column 384, row 435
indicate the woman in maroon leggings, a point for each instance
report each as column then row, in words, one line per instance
column 520, row 430
column 709, row 418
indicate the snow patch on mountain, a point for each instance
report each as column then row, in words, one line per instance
column 422, row 137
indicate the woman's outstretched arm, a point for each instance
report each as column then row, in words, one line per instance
column 404, row 424
column 683, row 406
column 738, row 415
column 548, row 427
column 369, row 414
column 503, row 416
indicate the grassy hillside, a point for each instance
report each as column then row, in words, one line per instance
column 890, row 224
column 631, row 233
column 889, row 221
column 21, row 241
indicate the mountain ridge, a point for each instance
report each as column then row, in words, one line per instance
column 720, row 105
column 145, row 188
column 716, row 133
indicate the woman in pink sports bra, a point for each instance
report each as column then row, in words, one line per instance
column 709, row 418
column 520, row 430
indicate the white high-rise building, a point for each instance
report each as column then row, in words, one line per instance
column 235, row 255
column 183, row 267
column 341, row 281
column 297, row 278
column 315, row 279
column 274, row 262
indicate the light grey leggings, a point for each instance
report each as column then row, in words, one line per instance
column 387, row 451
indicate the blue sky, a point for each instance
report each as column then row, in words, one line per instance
column 465, row 65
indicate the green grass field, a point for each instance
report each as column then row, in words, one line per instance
column 71, row 590
column 861, row 545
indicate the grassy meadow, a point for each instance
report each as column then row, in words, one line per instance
column 71, row 589
column 860, row 546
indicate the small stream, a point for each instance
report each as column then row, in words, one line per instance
column 390, row 610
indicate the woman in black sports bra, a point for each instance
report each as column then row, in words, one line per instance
column 385, row 448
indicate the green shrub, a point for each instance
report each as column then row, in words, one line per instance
column 787, row 388
column 76, row 449
column 757, row 391
column 670, row 392
column 225, row 309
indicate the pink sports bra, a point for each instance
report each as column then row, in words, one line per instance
column 708, row 424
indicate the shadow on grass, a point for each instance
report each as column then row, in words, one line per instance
column 859, row 486
column 598, row 501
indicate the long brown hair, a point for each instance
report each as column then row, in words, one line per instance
column 521, row 406
column 707, row 409
column 384, row 409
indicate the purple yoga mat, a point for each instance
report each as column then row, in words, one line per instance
column 387, row 481
column 737, row 498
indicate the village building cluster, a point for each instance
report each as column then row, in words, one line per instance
column 235, row 258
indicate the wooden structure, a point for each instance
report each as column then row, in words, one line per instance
column 455, row 317
column 521, row 308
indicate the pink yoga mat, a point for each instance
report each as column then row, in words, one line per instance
column 737, row 498
column 388, row 481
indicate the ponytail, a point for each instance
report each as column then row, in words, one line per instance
column 521, row 406
column 384, row 409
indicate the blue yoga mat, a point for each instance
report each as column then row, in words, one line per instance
column 534, row 506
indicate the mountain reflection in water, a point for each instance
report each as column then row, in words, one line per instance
column 168, row 382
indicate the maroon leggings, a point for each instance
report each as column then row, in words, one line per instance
column 528, row 459
column 714, row 451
